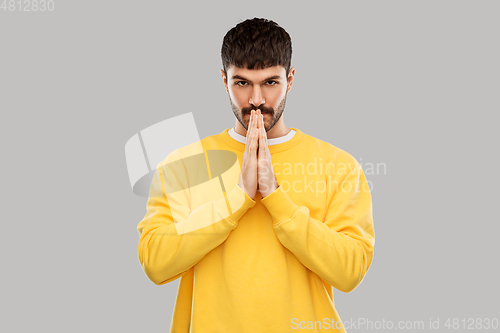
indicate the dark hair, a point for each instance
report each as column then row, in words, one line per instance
column 256, row 43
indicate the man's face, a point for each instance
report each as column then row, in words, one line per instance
column 263, row 89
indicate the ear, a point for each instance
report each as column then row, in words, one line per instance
column 291, row 73
column 224, row 79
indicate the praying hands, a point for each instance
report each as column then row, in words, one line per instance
column 257, row 172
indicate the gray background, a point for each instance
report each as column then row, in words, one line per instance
column 411, row 84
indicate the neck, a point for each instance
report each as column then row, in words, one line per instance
column 279, row 129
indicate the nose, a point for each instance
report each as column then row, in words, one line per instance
column 257, row 98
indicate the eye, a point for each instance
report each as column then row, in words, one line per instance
column 273, row 81
column 238, row 83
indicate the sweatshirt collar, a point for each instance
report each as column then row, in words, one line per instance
column 294, row 137
column 238, row 137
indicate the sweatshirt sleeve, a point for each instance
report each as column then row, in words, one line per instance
column 340, row 249
column 174, row 237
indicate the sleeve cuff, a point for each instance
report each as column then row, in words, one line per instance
column 236, row 200
column 280, row 205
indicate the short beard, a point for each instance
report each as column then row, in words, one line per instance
column 275, row 114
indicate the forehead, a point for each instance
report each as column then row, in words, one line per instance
column 256, row 74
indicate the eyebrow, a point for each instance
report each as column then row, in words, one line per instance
column 274, row 77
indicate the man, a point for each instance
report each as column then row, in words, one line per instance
column 258, row 247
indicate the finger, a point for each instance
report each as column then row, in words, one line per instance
column 264, row 130
column 251, row 125
column 255, row 128
column 253, row 135
column 261, row 122
column 262, row 140
column 262, row 126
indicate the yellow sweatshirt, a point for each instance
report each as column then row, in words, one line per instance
column 262, row 264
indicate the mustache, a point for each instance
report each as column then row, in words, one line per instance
column 262, row 110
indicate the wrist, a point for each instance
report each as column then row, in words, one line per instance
column 269, row 191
